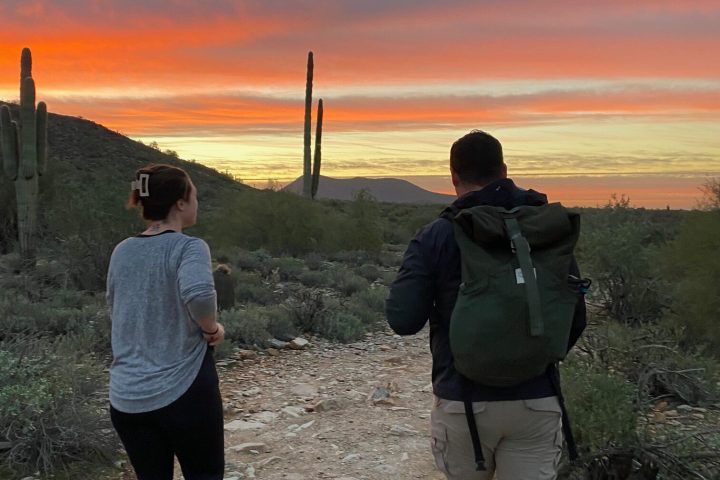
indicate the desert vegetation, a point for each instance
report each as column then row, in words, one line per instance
column 302, row 267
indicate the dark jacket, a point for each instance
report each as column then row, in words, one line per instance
column 427, row 286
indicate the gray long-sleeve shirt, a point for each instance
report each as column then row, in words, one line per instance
column 157, row 346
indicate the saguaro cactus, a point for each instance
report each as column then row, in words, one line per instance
column 316, row 160
column 24, row 148
column 308, row 114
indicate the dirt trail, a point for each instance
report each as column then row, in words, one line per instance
column 269, row 401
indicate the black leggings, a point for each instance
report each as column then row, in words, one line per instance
column 190, row 428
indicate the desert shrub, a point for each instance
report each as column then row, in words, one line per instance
column 285, row 223
column 288, row 268
column 306, row 309
column 313, row 261
column 711, row 194
column 351, row 257
column 91, row 321
column 388, row 278
column 50, row 408
column 368, row 271
column 341, row 325
column 250, row 288
column 245, row 326
column 345, row 281
column 256, row 324
column 692, row 265
column 280, row 322
column 601, row 406
column 312, row 278
column 259, row 260
column 368, row 305
column 617, row 250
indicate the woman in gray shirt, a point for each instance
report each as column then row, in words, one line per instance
column 164, row 394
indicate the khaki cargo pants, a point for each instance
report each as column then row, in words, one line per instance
column 521, row 439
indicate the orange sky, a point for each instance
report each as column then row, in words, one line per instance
column 599, row 93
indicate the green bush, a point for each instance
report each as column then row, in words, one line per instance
column 345, row 281
column 250, row 288
column 338, row 324
column 259, row 261
column 601, row 407
column 617, row 250
column 313, row 261
column 306, row 309
column 288, row 268
column 369, row 305
column 51, row 408
column 245, row 326
column 369, row 272
column 693, row 265
column 312, row 278
column 285, row 223
column 91, row 321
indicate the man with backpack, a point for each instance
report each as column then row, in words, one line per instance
column 496, row 278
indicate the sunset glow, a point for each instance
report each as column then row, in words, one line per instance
column 588, row 99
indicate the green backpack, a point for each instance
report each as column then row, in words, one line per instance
column 514, row 309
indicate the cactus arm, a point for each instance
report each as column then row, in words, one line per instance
column 41, row 132
column 9, row 143
column 25, row 65
column 318, row 140
column 28, row 138
column 308, row 114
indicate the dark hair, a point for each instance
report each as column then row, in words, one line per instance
column 166, row 185
column 477, row 158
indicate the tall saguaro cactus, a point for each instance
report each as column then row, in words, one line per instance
column 316, row 159
column 308, row 114
column 24, row 149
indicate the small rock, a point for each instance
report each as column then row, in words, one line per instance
column 279, row 344
column 306, row 425
column 402, row 431
column 250, row 392
column 405, row 457
column 661, row 406
column 385, row 348
column 294, row 412
column 351, row 457
column 267, row 461
column 698, row 416
column 250, row 471
column 304, row 390
column 265, row 417
column 254, row 447
column 700, row 409
column 327, row 404
column 684, row 408
column 273, row 352
column 671, row 413
column 381, row 395
column 243, row 426
column 246, row 354
column 298, row 343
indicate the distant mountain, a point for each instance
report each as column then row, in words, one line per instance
column 391, row 190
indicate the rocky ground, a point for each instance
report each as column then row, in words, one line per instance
column 329, row 411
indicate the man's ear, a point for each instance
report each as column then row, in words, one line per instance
column 454, row 177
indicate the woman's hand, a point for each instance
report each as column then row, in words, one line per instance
column 216, row 337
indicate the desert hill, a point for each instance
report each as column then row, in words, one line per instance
column 391, row 190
